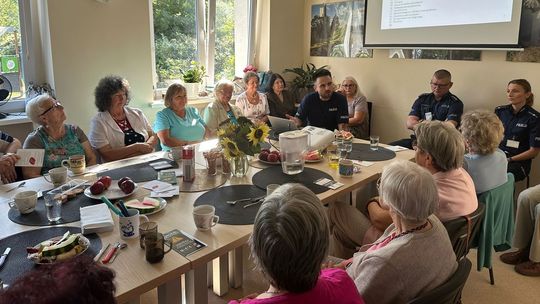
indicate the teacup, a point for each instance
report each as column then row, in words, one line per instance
column 129, row 225
column 176, row 154
column 56, row 176
column 204, row 217
column 75, row 163
column 24, row 201
column 347, row 168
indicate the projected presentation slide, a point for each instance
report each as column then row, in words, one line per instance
column 400, row 14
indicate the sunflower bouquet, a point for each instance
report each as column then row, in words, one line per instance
column 242, row 137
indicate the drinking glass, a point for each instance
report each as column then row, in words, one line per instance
column 53, row 204
column 374, row 142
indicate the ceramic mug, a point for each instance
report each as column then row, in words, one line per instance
column 204, row 217
column 75, row 163
column 176, row 154
column 129, row 225
column 56, row 176
column 347, row 168
column 24, row 201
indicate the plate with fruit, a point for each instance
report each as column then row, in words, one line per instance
column 59, row 248
column 313, row 156
column 148, row 205
column 105, row 186
column 269, row 157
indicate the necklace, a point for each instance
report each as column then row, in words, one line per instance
column 393, row 237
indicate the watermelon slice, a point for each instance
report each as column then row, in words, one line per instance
column 147, row 205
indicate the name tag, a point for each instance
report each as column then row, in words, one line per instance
column 512, row 143
column 521, row 125
column 429, row 116
column 332, row 109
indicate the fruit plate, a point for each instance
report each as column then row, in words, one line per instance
column 269, row 163
column 113, row 192
column 162, row 205
column 83, row 242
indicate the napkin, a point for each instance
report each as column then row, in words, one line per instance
column 96, row 218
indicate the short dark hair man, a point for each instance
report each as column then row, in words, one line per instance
column 440, row 105
column 323, row 108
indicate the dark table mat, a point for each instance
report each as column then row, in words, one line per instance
column 38, row 217
column 232, row 214
column 275, row 175
column 17, row 264
column 363, row 152
column 142, row 172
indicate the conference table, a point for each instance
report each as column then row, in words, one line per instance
column 222, row 257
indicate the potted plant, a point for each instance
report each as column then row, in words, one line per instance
column 193, row 78
column 303, row 83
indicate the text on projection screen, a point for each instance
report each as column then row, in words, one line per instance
column 398, row 14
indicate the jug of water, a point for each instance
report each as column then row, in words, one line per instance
column 293, row 146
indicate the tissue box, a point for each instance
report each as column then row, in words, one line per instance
column 96, row 218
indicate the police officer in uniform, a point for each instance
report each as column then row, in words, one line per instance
column 440, row 105
column 521, row 141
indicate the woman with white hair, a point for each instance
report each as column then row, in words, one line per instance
column 484, row 161
column 358, row 108
column 414, row 255
column 58, row 139
column 289, row 243
column 221, row 109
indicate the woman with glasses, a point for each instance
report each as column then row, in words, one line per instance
column 118, row 131
column 221, row 108
column 521, row 141
column 58, row 139
column 414, row 255
column 358, row 109
column 280, row 100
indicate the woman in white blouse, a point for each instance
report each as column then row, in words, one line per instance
column 253, row 104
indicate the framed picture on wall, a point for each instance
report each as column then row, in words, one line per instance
column 336, row 30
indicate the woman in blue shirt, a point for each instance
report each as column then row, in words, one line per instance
column 179, row 124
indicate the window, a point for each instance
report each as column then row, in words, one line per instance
column 10, row 48
column 214, row 33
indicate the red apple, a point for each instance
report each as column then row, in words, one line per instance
column 264, row 155
column 106, row 180
column 123, row 179
column 127, row 186
column 273, row 158
column 97, row 188
column 265, row 150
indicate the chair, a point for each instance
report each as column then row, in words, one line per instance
column 450, row 291
column 464, row 230
column 369, row 109
column 498, row 226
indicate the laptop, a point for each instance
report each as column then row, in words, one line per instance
column 280, row 125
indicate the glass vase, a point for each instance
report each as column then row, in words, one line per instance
column 239, row 166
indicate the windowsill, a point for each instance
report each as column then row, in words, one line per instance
column 198, row 101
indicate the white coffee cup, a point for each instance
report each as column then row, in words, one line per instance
column 129, row 225
column 75, row 163
column 56, row 176
column 24, row 201
column 176, row 154
column 204, row 217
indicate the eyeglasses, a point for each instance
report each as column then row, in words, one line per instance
column 348, row 85
column 378, row 184
column 439, row 85
column 54, row 106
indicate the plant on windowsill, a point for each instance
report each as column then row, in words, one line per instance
column 193, row 78
column 303, row 83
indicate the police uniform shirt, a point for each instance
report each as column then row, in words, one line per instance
column 425, row 107
column 521, row 130
column 324, row 114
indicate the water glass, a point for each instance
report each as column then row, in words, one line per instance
column 342, row 148
column 374, row 142
column 53, row 204
column 332, row 155
column 348, row 145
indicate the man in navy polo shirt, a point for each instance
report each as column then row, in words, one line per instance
column 323, row 108
column 440, row 104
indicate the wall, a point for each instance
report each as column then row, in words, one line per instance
column 89, row 40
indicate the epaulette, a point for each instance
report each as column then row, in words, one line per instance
column 502, row 107
column 423, row 95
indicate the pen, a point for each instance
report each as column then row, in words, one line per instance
column 123, row 208
column 111, row 206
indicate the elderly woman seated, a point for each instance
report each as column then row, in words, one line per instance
column 439, row 149
column 485, row 162
column 414, row 255
column 252, row 103
column 76, row 281
column 221, row 109
column 289, row 243
column 179, row 124
column 58, row 139
column 118, row 131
